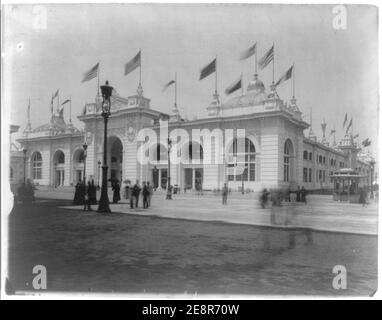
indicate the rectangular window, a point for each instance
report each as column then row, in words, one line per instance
column 310, row 156
column 305, row 174
column 310, row 174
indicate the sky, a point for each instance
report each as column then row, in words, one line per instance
column 336, row 71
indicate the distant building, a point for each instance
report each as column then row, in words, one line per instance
column 276, row 152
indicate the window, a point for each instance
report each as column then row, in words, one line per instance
column 243, row 164
column 305, row 174
column 320, row 159
column 310, row 156
column 37, row 166
column 305, row 155
column 11, row 174
column 324, row 160
column 320, row 175
column 310, row 174
column 287, row 159
column 323, row 175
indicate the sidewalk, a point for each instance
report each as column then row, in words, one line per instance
column 321, row 213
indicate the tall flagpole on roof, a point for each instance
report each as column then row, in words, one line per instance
column 293, row 83
column 70, row 110
column 176, row 84
column 216, row 74
column 256, row 59
column 273, row 65
column 140, row 66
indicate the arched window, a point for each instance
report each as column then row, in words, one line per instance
column 158, row 152
column 37, row 165
column 61, row 157
column 194, row 152
column 287, row 159
column 242, row 165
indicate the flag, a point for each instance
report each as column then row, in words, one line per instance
column 248, row 53
column 133, row 63
column 61, row 112
column 268, row 57
column 55, row 95
column 285, row 77
column 350, row 124
column 208, row 69
column 234, row 86
column 332, row 132
column 356, row 136
column 168, row 84
column 366, row 142
column 92, row 73
column 345, row 120
column 65, row 102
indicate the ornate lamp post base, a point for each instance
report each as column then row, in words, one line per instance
column 103, row 205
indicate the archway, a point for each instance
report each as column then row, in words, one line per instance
column 158, row 157
column 78, row 165
column 59, row 168
column 115, row 161
column 242, row 161
column 192, row 164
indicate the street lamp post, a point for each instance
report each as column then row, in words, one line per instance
column 25, row 158
column 99, row 167
column 168, row 195
column 85, row 146
column 106, row 105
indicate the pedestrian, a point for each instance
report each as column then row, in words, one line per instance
column 298, row 194
column 82, row 193
column 151, row 191
column 264, row 198
column 87, row 197
column 145, row 194
column 135, row 195
column 30, row 191
column 116, row 194
column 303, row 195
column 225, row 193
column 362, row 197
column 77, row 197
column 93, row 193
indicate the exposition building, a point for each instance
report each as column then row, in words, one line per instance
column 276, row 152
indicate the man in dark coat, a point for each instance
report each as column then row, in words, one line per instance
column 93, row 198
column 225, row 194
column 135, row 195
column 145, row 194
column 298, row 194
column 116, row 194
column 303, row 195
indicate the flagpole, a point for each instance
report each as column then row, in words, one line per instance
column 176, row 83
column 241, row 82
column 216, row 74
column 140, row 66
column 99, row 70
column 273, row 65
column 293, row 84
column 58, row 100
column 256, row 59
column 70, row 110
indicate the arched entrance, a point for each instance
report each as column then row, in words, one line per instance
column 115, row 152
column 192, row 163
column 158, row 159
column 78, row 165
column 288, row 162
column 59, row 168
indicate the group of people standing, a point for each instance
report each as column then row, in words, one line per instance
column 25, row 192
column 85, row 195
column 134, row 192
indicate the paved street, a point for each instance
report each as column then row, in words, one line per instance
column 146, row 252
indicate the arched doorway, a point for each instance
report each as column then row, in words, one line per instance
column 242, row 162
column 59, row 168
column 78, row 165
column 192, row 163
column 115, row 150
column 158, row 158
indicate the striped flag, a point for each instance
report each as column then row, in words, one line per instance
column 208, row 69
column 285, row 77
column 65, row 102
column 266, row 59
column 248, row 53
column 133, row 63
column 233, row 87
column 345, row 120
column 350, row 124
column 92, row 73
column 168, row 84
column 356, row 136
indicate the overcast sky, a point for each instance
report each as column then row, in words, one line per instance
column 336, row 70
